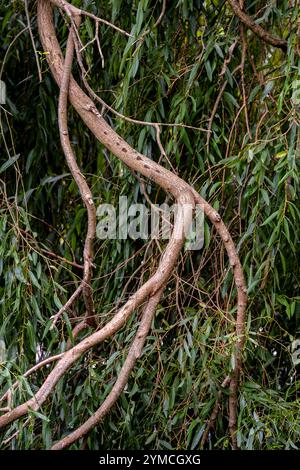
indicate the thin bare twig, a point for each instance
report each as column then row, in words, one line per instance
column 8, row 49
column 73, row 11
column 103, row 103
column 216, row 105
column 244, row 52
column 61, row 258
column 37, row 366
column 214, row 414
column 157, row 22
column 32, row 41
column 15, row 434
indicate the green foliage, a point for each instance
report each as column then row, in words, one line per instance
column 249, row 171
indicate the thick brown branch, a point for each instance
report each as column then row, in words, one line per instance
column 153, row 285
column 241, row 311
column 132, row 357
column 255, row 28
column 86, row 194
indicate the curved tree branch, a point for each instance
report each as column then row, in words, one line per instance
column 86, row 194
column 150, row 288
column 133, row 354
column 256, row 28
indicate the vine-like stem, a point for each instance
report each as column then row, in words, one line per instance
column 86, row 194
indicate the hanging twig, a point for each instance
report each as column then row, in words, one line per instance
column 32, row 41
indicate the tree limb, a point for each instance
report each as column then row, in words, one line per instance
column 134, row 353
column 256, row 28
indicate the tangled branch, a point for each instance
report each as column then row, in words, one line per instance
column 149, row 294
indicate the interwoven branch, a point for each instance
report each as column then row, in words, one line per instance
column 151, row 291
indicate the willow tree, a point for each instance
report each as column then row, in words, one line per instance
column 172, row 122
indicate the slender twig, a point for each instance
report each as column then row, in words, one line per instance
column 37, row 366
column 89, row 43
column 213, row 113
column 61, row 258
column 8, row 50
column 99, row 45
column 157, row 22
column 103, row 103
column 71, row 11
column 221, row 92
column 162, row 13
column 111, row 25
column 67, row 304
column 244, row 52
column 15, row 434
column 32, row 41
column 214, row 414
